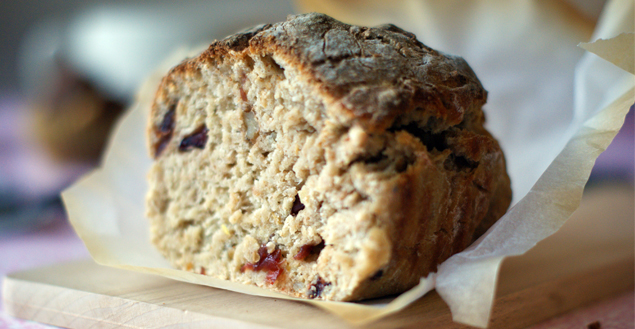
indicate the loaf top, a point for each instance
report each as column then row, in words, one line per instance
column 373, row 74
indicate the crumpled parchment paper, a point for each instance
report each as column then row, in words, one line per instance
column 553, row 107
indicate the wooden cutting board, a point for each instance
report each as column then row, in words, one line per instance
column 590, row 258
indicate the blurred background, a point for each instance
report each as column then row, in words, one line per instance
column 68, row 69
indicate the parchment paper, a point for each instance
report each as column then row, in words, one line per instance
column 553, row 107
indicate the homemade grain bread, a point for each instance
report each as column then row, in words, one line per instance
column 321, row 160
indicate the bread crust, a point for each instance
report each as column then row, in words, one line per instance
column 374, row 73
column 383, row 82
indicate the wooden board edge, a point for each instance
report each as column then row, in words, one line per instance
column 71, row 308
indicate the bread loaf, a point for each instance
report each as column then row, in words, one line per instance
column 321, row 160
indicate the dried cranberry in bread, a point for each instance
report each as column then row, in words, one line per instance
column 321, row 160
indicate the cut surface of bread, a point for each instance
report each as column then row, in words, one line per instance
column 321, row 160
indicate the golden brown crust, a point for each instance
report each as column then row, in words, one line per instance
column 376, row 73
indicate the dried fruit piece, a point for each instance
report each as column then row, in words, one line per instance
column 315, row 290
column 164, row 131
column 308, row 250
column 269, row 262
column 297, row 206
column 197, row 139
